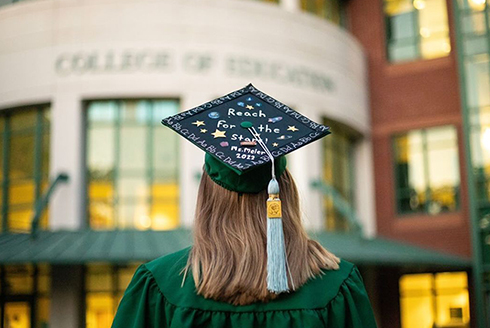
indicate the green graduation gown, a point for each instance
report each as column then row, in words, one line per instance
column 155, row 298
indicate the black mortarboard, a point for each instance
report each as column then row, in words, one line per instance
column 220, row 128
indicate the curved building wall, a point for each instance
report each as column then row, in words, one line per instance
column 67, row 51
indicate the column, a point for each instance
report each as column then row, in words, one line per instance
column 306, row 165
column 67, row 139
column 364, row 186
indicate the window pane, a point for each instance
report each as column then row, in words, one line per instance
column 411, row 179
column 101, row 147
column 21, row 192
column 416, row 282
column 442, row 152
column 43, row 279
column 137, row 112
column 22, row 156
column 434, row 29
column 478, row 82
column 100, row 310
column 133, row 214
column 22, row 119
column 473, row 22
column 99, row 277
column 164, row 213
column 427, row 170
column 165, row 154
column 133, row 150
column 42, row 312
column 101, row 214
column 100, row 189
column 402, row 26
column 416, row 29
column 416, row 305
column 20, row 127
column 133, row 188
column 17, row 314
column 20, row 219
column 102, row 112
column 337, row 173
column 450, row 280
column 136, row 153
column 402, row 52
column 19, row 279
column 452, row 298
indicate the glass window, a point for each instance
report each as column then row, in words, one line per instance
column 132, row 163
column 477, row 89
column 434, row 300
column 24, row 165
column 427, row 170
column 416, row 29
column 328, row 9
column 338, row 173
column 105, row 286
column 25, row 295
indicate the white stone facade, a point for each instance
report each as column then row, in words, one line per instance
column 66, row 51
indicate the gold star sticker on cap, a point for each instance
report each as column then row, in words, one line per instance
column 249, row 107
column 219, row 134
column 292, row 128
column 198, row 123
column 275, row 144
column 204, row 130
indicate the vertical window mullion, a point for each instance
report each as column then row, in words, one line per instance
column 425, row 157
column 38, row 139
column 117, row 146
column 114, row 287
column 149, row 147
column 5, row 169
column 416, row 27
column 434, row 300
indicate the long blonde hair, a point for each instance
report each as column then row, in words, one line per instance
column 228, row 259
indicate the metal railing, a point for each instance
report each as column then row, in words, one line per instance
column 43, row 202
column 340, row 204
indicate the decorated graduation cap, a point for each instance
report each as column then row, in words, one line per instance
column 246, row 135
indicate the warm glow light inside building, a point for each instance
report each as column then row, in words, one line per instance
column 419, row 4
column 477, row 5
column 434, row 300
column 485, row 139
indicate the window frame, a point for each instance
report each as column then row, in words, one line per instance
column 353, row 137
column 434, row 292
column 40, row 129
column 116, row 122
column 398, row 212
column 417, row 37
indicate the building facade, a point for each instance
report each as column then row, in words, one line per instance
column 84, row 85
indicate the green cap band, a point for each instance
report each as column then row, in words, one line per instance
column 251, row 181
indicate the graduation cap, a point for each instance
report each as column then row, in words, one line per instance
column 241, row 134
